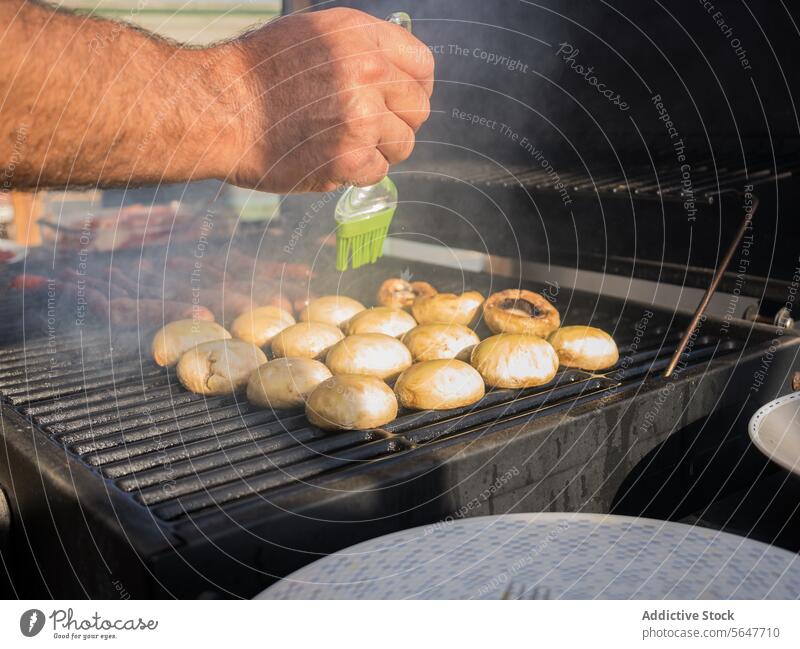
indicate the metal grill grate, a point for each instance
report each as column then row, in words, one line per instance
column 178, row 453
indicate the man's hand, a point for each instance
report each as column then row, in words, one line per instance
column 337, row 96
column 307, row 102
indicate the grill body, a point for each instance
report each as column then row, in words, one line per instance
column 122, row 482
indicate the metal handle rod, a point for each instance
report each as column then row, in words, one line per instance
column 701, row 308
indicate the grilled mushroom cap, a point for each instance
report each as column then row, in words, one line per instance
column 260, row 325
column 520, row 312
column 381, row 320
column 432, row 342
column 306, row 340
column 351, row 402
column 285, row 382
column 219, row 367
column 515, row 361
column 171, row 341
column 373, row 354
column 447, row 308
column 400, row 294
column 332, row 309
column 587, row 348
column 439, row 385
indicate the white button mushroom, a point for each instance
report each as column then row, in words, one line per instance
column 439, row 385
column 285, row 382
column 515, row 361
column 447, row 308
column 177, row 337
column 219, row 367
column 260, row 325
column 306, row 339
column 351, row 402
column 587, row 348
column 332, row 309
column 432, row 342
column 381, row 320
column 373, row 354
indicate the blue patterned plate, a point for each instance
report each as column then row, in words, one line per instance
column 570, row 556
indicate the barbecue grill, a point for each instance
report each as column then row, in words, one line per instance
column 121, row 483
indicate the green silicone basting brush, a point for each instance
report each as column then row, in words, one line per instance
column 363, row 214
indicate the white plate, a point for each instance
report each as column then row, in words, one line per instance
column 775, row 430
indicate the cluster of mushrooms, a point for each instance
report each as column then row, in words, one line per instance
column 341, row 358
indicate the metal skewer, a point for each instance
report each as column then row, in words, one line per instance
column 701, row 308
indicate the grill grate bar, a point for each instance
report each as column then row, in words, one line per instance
column 697, row 354
column 116, row 410
column 70, row 344
column 224, row 421
column 248, row 465
column 219, row 496
column 49, row 364
column 174, row 442
column 22, row 396
column 412, row 420
column 175, row 447
column 62, row 354
column 530, row 403
column 102, row 399
column 53, row 376
column 205, row 455
column 182, row 405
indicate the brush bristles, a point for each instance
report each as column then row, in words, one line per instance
column 360, row 249
column 361, row 242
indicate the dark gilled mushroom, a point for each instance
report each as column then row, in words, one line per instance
column 521, row 312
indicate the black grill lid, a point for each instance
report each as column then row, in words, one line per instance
column 709, row 109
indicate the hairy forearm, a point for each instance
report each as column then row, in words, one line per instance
column 85, row 101
column 304, row 103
